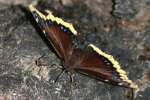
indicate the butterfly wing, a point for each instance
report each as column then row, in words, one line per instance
column 56, row 31
column 97, row 64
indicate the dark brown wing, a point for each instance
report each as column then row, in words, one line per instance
column 102, row 66
column 60, row 40
column 56, row 31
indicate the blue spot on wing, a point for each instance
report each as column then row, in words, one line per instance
column 39, row 20
column 61, row 27
column 108, row 64
column 116, row 76
column 49, row 22
column 64, row 29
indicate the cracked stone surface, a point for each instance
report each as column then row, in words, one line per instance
column 119, row 27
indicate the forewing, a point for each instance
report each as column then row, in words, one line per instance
column 56, row 31
column 60, row 40
column 102, row 66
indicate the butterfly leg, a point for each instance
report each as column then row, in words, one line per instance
column 43, row 69
column 72, row 81
column 59, row 75
column 38, row 62
column 72, row 77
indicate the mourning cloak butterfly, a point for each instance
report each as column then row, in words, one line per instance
column 90, row 61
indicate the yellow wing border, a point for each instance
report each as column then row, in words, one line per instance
column 51, row 17
column 116, row 65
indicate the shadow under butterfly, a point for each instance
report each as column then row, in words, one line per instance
column 90, row 60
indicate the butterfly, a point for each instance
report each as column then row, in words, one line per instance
column 89, row 60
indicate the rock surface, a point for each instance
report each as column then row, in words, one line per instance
column 119, row 27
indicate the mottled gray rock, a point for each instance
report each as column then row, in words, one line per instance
column 21, row 44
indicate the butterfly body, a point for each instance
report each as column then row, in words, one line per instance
column 88, row 60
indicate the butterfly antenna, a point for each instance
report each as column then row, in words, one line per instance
column 37, row 62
